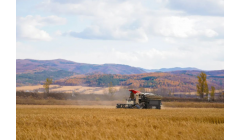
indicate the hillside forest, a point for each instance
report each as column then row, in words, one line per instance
column 67, row 73
column 173, row 82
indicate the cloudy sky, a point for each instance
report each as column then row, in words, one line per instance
column 150, row 34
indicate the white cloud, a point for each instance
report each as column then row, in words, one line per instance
column 180, row 27
column 29, row 27
column 211, row 33
column 132, row 20
column 99, row 32
column 209, row 57
column 58, row 33
column 156, row 58
column 125, row 56
column 198, row 7
column 185, row 26
column 161, row 33
column 20, row 45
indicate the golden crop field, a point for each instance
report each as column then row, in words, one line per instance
column 74, row 122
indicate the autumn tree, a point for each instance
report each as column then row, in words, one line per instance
column 46, row 84
column 111, row 89
column 152, row 90
column 170, row 92
column 212, row 92
column 202, row 85
column 207, row 91
column 141, row 89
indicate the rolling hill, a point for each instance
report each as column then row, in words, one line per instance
column 29, row 65
column 40, row 76
column 70, row 73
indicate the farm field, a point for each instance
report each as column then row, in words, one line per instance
column 68, row 89
column 88, row 122
column 22, row 101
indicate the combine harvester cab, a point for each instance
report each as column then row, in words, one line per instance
column 139, row 100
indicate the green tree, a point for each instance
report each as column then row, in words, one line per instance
column 202, row 85
column 212, row 92
column 46, row 84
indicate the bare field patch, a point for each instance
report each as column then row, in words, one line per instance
column 66, row 102
column 73, row 122
column 69, row 89
column 36, row 87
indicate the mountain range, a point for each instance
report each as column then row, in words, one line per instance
column 30, row 65
column 29, row 71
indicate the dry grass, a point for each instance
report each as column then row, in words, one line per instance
column 69, row 89
column 64, row 102
column 33, row 87
column 193, row 104
column 73, row 122
column 51, row 101
column 193, row 92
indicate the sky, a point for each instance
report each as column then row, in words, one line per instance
column 150, row 34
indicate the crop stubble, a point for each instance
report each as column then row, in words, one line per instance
column 74, row 122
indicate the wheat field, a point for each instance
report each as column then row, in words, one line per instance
column 54, row 122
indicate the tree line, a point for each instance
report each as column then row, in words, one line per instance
column 202, row 86
column 176, row 82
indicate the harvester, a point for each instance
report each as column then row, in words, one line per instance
column 139, row 100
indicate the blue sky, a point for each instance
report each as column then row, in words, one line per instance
column 150, row 34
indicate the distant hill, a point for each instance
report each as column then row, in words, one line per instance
column 65, row 72
column 40, row 76
column 170, row 69
column 29, row 65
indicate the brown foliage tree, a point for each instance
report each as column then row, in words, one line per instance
column 46, row 84
column 212, row 93
column 202, row 85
